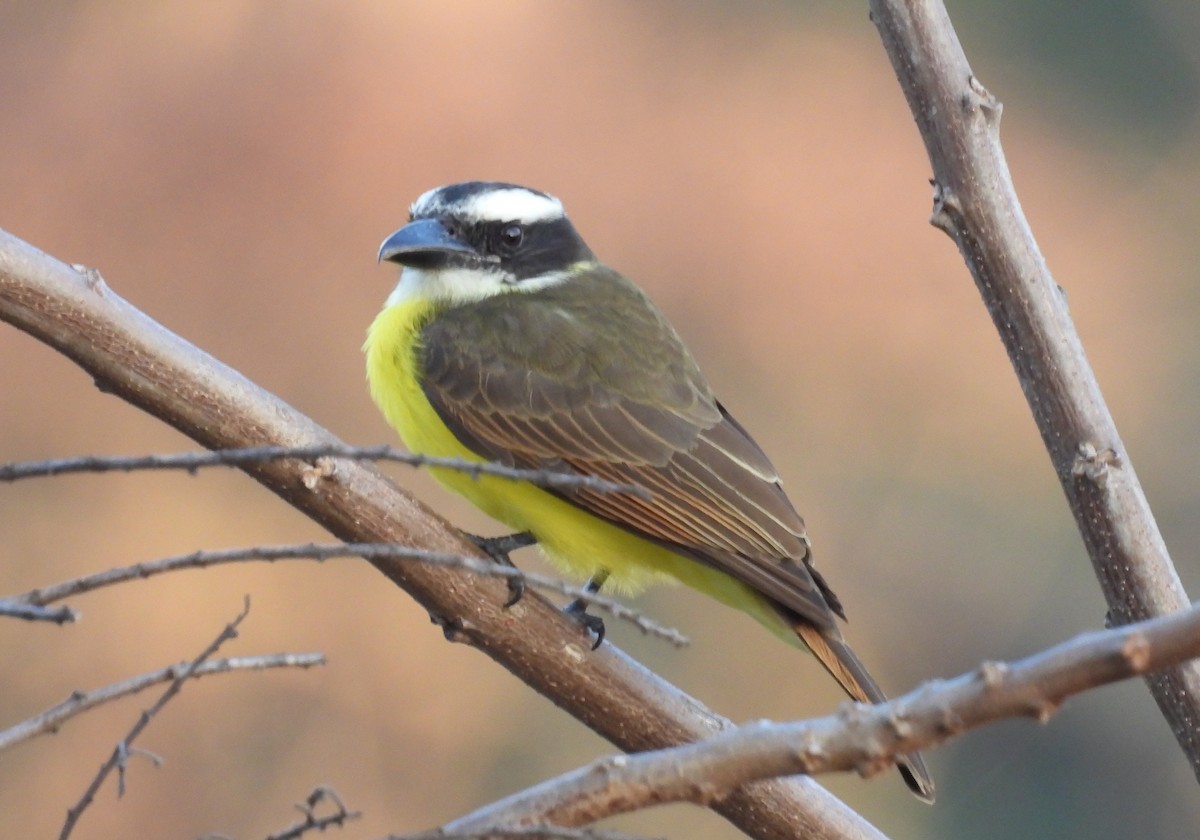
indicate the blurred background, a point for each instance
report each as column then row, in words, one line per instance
column 231, row 168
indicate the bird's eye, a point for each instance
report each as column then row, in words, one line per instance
column 512, row 235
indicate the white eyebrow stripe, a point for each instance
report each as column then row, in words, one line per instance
column 513, row 205
column 509, row 204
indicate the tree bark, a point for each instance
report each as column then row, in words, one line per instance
column 976, row 204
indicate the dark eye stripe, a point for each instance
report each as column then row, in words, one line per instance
column 525, row 250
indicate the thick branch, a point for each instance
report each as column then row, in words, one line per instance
column 976, row 204
column 859, row 738
column 136, row 358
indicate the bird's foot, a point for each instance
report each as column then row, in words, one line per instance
column 593, row 623
column 498, row 549
column 577, row 609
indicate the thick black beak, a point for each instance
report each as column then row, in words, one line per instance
column 422, row 244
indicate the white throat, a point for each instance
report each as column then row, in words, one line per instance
column 466, row 285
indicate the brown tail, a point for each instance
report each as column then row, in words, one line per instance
column 840, row 661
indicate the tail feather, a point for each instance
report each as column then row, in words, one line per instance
column 840, row 661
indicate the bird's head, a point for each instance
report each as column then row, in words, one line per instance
column 473, row 240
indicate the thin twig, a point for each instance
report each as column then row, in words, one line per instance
column 121, row 751
column 81, row 701
column 34, row 612
column 533, row 832
column 861, row 738
column 313, row 822
column 193, row 461
column 320, row 552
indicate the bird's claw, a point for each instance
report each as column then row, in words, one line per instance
column 577, row 609
column 516, row 590
column 498, row 549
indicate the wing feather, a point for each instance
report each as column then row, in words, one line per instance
column 552, row 382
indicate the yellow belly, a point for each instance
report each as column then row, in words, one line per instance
column 577, row 542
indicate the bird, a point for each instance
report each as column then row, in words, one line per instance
column 507, row 340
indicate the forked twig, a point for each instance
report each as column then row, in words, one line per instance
column 82, row 701
column 124, row 747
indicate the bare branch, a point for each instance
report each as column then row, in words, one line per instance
column 122, row 750
column 81, row 701
column 318, row 552
column 860, row 738
column 314, row 822
column 32, row 612
column 193, row 461
column 976, row 204
column 134, row 357
column 533, row 832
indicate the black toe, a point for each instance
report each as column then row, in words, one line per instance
column 577, row 609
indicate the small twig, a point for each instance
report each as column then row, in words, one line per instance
column 125, row 751
column 117, row 759
column 319, row 552
column 82, row 701
column 311, row 821
column 193, row 461
column 34, row 612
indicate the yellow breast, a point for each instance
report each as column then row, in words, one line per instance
column 576, row 541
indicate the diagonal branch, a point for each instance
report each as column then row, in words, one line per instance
column 136, row 358
column 975, row 203
column 859, row 738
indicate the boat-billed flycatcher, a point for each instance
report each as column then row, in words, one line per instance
column 507, row 340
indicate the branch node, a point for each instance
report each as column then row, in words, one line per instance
column 950, row 722
column 1093, row 463
column 873, row 761
column 1041, row 709
column 947, row 209
column 992, row 674
column 811, row 754
column 851, row 711
column 452, row 628
column 91, row 276
column 706, row 792
column 313, row 474
column 900, row 725
column 1135, row 650
column 980, row 98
